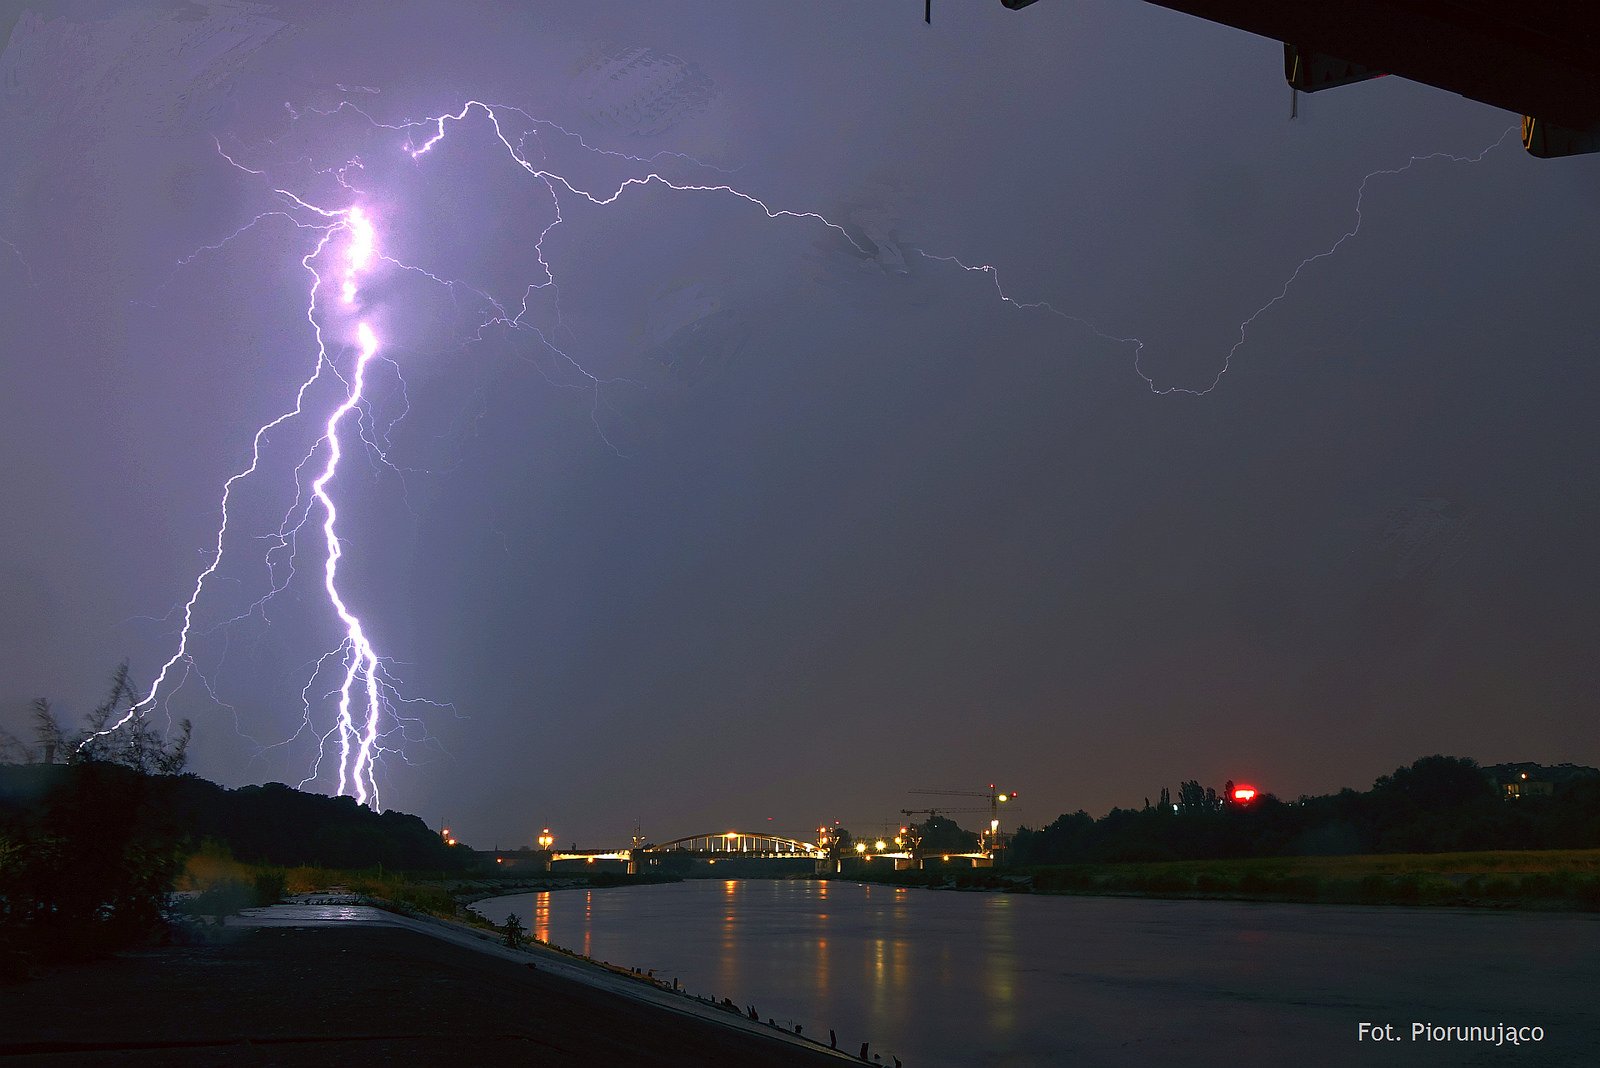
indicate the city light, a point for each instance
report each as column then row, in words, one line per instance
column 1244, row 794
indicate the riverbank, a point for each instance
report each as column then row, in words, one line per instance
column 353, row 995
column 1537, row 880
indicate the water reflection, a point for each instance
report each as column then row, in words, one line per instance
column 728, row 959
column 819, row 967
column 989, row 979
column 588, row 923
column 541, row 917
column 999, row 964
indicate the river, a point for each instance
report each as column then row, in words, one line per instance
column 968, row 979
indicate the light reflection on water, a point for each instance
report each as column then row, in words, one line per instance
column 541, row 917
column 990, row 979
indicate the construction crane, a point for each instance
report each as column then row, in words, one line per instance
column 995, row 797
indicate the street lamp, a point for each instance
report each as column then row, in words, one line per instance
column 546, row 839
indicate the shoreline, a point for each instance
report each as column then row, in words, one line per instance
column 564, row 964
column 352, row 985
column 1504, row 880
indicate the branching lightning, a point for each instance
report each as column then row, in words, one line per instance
column 1138, row 345
column 353, row 679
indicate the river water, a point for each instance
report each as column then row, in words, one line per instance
column 968, row 979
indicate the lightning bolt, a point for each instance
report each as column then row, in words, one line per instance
column 366, row 700
column 1138, row 345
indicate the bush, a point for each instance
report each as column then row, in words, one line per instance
column 90, row 864
column 269, row 886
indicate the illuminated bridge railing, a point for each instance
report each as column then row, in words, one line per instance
column 739, row 843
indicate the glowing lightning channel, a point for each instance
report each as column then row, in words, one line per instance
column 357, row 259
column 362, row 701
column 361, row 660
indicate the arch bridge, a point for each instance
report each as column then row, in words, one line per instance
column 741, row 844
column 738, row 843
column 710, row 845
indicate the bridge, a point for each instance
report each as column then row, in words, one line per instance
column 715, row 846
column 707, row 845
column 740, row 843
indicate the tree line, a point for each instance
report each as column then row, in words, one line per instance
column 1436, row 804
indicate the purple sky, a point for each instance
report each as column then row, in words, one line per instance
column 840, row 528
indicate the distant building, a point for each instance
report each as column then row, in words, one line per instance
column 1516, row 781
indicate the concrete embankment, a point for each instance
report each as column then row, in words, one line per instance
column 369, row 990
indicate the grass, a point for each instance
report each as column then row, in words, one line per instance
column 1544, row 879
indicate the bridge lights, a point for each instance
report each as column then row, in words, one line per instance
column 879, row 845
column 861, row 847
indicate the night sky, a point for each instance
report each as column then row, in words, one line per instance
column 832, row 527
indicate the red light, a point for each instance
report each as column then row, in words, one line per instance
column 1244, row 793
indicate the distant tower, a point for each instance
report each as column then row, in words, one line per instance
column 638, row 847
